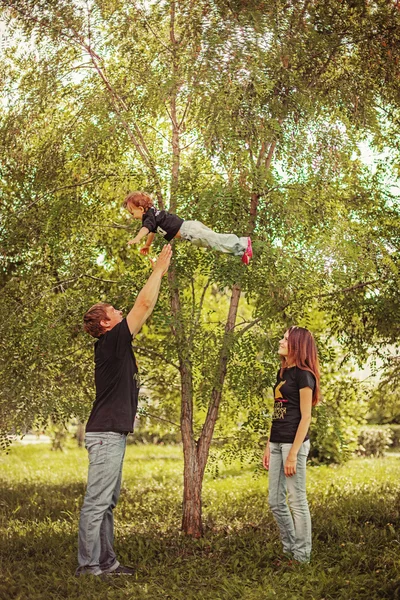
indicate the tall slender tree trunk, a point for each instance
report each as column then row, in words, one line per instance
column 196, row 455
column 192, row 474
column 192, row 491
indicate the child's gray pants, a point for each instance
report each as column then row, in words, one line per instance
column 202, row 236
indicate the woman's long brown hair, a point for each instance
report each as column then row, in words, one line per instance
column 302, row 352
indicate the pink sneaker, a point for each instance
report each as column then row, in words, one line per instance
column 249, row 249
column 248, row 253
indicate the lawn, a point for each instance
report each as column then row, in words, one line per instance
column 355, row 511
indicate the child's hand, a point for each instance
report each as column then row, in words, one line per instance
column 145, row 250
column 133, row 241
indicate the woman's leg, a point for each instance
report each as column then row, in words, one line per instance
column 296, row 486
column 277, row 497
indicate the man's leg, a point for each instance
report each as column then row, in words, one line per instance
column 106, row 452
column 108, row 560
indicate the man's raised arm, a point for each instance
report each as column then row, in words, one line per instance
column 147, row 297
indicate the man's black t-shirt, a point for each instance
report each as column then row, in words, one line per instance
column 162, row 222
column 116, row 378
column 287, row 415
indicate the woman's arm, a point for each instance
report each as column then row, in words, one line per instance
column 305, row 410
column 267, row 453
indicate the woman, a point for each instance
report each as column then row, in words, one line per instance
column 296, row 391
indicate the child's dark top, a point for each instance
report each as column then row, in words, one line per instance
column 287, row 415
column 162, row 222
column 117, row 382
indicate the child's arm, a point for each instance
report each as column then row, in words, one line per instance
column 146, row 247
column 142, row 233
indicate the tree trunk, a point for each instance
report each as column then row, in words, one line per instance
column 192, row 488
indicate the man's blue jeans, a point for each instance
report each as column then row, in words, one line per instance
column 294, row 526
column 96, row 526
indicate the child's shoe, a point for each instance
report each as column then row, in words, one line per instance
column 248, row 253
column 249, row 249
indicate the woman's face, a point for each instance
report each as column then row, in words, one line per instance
column 283, row 345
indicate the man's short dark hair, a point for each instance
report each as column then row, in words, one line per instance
column 91, row 320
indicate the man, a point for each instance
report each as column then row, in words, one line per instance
column 111, row 420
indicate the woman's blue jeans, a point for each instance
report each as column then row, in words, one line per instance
column 294, row 524
column 96, row 526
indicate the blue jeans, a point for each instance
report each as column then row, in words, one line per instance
column 96, row 525
column 294, row 526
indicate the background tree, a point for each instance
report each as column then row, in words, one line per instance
column 246, row 116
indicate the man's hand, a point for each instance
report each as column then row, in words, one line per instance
column 163, row 260
column 133, row 241
column 145, row 250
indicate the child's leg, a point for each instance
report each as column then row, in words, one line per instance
column 202, row 236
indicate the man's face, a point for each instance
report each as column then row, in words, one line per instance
column 114, row 316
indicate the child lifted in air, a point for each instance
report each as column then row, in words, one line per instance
column 140, row 205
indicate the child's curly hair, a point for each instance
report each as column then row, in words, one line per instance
column 138, row 199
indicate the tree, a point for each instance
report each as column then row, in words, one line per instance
column 245, row 115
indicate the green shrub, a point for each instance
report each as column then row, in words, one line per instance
column 336, row 421
column 395, row 432
column 373, row 441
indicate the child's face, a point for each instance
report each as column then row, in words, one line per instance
column 136, row 211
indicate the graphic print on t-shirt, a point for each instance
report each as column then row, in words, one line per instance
column 161, row 231
column 279, row 408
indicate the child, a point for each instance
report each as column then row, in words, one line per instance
column 140, row 205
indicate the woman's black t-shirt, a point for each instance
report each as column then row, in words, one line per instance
column 287, row 415
column 117, row 384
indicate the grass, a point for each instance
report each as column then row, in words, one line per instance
column 355, row 512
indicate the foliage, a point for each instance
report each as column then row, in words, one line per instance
column 334, row 431
column 385, row 397
column 395, row 435
column 373, row 441
column 355, row 532
column 247, row 116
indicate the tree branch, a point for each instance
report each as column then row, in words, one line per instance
column 99, row 279
column 151, row 352
column 147, row 414
column 205, row 438
column 358, row 286
column 197, row 319
column 248, row 326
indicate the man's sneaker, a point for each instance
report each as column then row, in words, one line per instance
column 121, row 570
column 248, row 253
